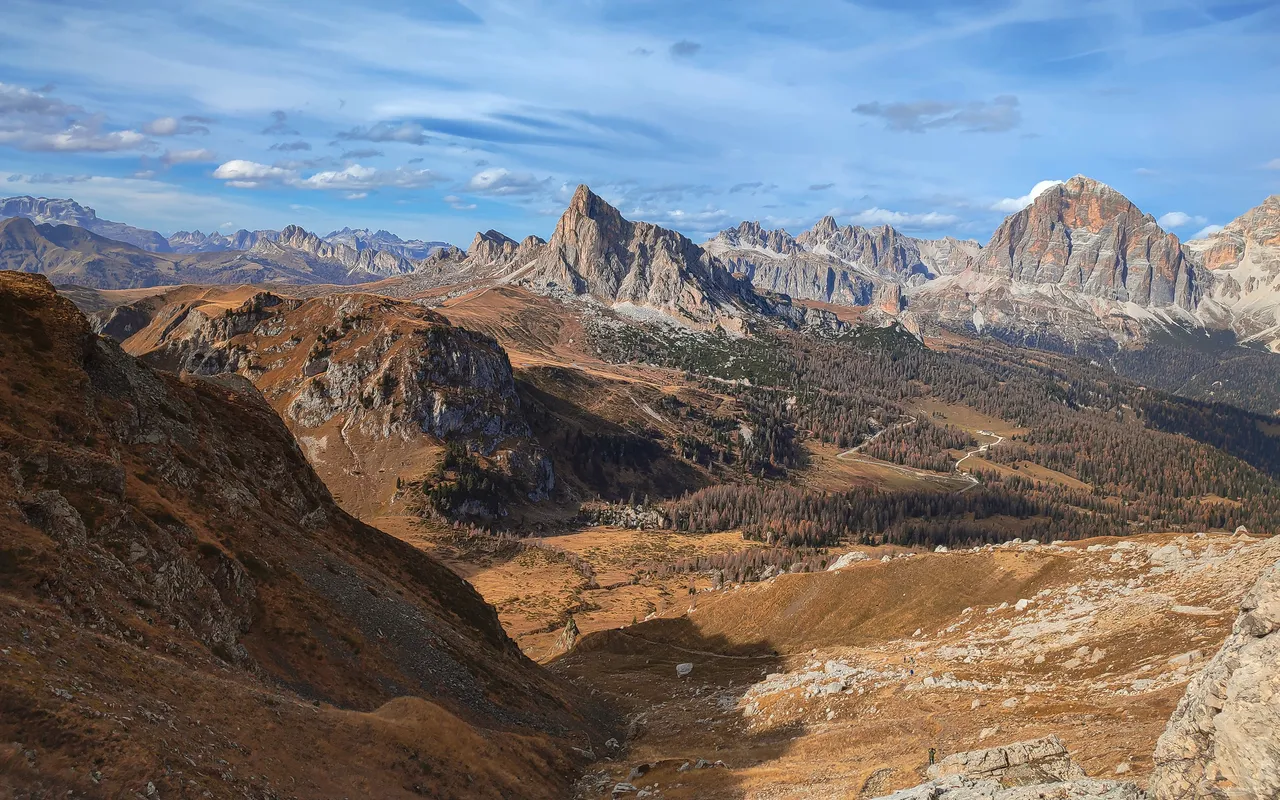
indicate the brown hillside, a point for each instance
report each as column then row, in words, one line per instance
column 179, row 587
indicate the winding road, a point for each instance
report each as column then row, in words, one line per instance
column 854, row 454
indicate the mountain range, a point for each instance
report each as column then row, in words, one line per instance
column 1081, row 269
column 69, row 212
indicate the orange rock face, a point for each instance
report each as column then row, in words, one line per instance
column 1085, row 236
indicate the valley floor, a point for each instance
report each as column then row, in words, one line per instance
column 837, row 684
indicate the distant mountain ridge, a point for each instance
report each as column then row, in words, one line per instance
column 42, row 210
column 69, row 212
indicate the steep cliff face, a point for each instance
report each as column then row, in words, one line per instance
column 1223, row 741
column 367, row 263
column 1084, row 236
column 1244, row 261
column 169, row 556
column 594, row 251
column 493, row 253
column 371, row 386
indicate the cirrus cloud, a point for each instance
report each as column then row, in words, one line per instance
column 902, row 219
column 997, row 116
column 404, row 132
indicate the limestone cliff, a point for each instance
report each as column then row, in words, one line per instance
column 1223, row 741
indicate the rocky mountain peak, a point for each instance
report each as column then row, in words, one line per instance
column 595, row 251
column 587, row 205
column 1086, row 237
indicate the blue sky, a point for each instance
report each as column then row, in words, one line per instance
column 438, row 118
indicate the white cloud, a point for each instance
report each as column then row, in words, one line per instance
column 1179, row 219
column 17, row 100
column 1273, row 164
column 705, row 221
column 76, row 138
column 502, row 182
column 356, row 195
column 1012, row 205
column 172, row 126
column 201, row 156
column 458, row 204
column 356, row 177
column 901, row 219
column 250, row 174
column 1207, row 231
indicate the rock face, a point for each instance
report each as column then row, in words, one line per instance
column 1223, row 741
column 493, row 253
column 166, row 544
column 1036, row 770
column 1021, row 764
column 197, row 242
column 361, row 264
column 364, row 239
column 374, row 378
column 69, row 212
column 845, row 265
column 1244, row 260
column 1084, row 236
column 1081, row 269
column 594, row 251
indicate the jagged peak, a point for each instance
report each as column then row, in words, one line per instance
column 493, row 236
column 588, row 204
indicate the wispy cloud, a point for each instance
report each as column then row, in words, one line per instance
column 279, row 125
column 290, row 147
column 902, row 219
column 177, row 126
column 198, row 156
column 1206, row 232
column 685, row 48
column 405, row 132
column 1000, row 115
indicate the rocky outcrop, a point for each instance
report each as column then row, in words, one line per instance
column 1223, row 741
column 493, row 253
column 1023, row 763
column 1041, row 769
column 1244, row 260
column 1083, row 236
column 69, row 212
column 392, row 372
column 595, row 251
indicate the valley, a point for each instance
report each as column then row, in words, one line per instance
column 608, row 513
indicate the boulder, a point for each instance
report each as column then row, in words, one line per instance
column 1019, row 764
column 1223, row 740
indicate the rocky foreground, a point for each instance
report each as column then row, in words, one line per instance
column 1222, row 742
